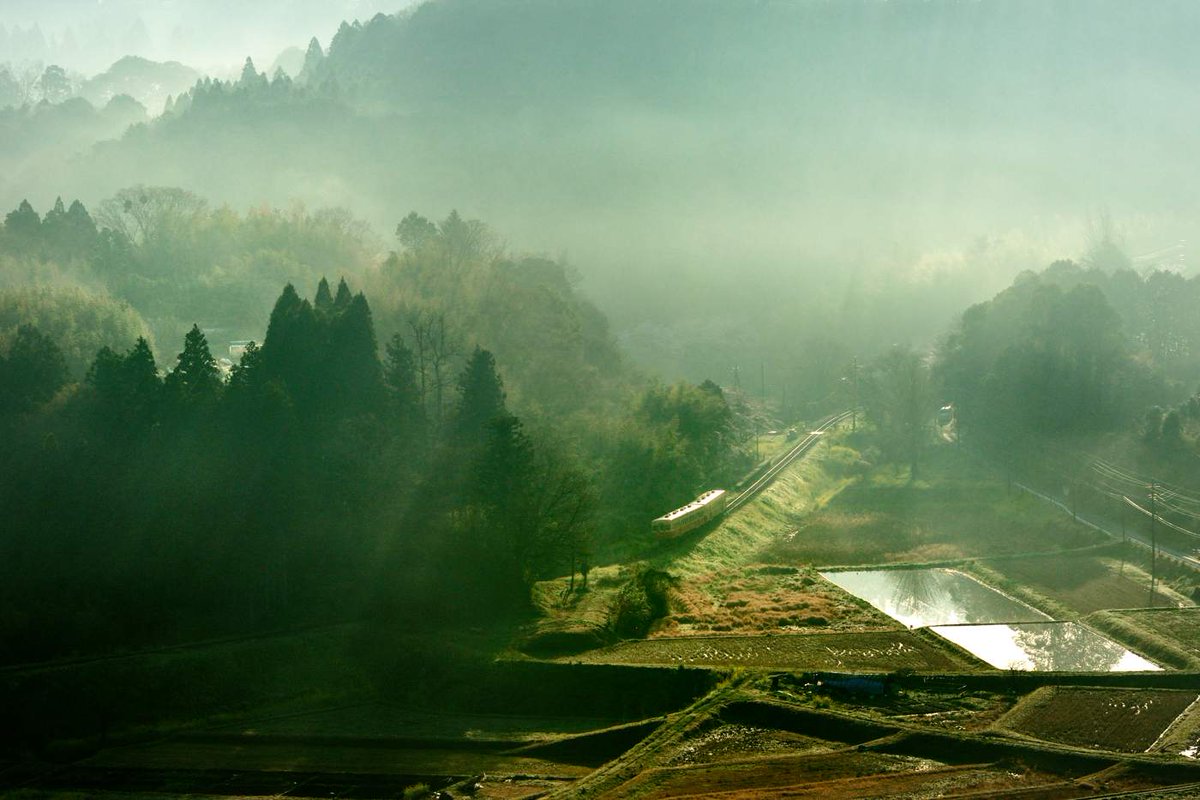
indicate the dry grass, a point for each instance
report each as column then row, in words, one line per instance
column 762, row 600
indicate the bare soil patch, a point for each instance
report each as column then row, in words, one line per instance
column 879, row 651
column 1124, row 720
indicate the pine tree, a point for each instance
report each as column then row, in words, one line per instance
column 343, row 295
column 79, row 230
column 324, row 299
column 141, row 373
column 293, row 351
column 250, row 76
column 354, row 358
column 23, row 224
column 314, row 64
column 127, row 387
column 400, row 379
column 481, row 395
column 196, row 377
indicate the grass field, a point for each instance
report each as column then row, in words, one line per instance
column 957, row 509
column 1125, row 720
column 1086, row 583
column 880, row 651
column 1170, row 635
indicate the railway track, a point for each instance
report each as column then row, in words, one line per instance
column 803, row 446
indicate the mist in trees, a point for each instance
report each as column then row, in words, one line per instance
column 742, row 187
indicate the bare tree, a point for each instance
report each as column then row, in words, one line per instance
column 435, row 347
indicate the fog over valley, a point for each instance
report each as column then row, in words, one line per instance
column 617, row 399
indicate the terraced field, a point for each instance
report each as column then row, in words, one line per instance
column 1125, row 720
column 877, row 651
column 1085, row 583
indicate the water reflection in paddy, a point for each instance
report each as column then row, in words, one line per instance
column 1045, row 646
column 920, row 597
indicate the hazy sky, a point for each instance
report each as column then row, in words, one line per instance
column 212, row 35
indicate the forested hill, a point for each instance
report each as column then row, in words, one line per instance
column 713, row 167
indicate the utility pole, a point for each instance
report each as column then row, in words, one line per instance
column 1124, row 537
column 1153, row 539
column 854, row 402
column 764, row 384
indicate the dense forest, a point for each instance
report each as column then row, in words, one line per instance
column 320, row 477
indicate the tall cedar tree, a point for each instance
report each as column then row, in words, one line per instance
column 196, row 377
column 481, row 396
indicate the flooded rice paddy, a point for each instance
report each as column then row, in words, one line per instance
column 998, row 629
column 1044, row 647
column 924, row 597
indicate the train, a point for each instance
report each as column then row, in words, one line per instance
column 707, row 506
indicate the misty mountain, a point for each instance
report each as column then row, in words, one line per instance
column 148, row 82
column 790, row 157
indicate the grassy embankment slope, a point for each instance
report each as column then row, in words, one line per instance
column 755, row 571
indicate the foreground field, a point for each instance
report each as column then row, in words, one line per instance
column 880, row 651
column 1128, row 720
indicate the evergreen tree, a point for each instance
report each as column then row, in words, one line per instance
column 324, row 299
column 33, row 372
column 354, row 369
column 196, row 376
column 250, row 76
column 481, row 395
column 80, row 228
column 23, row 225
column 293, row 351
column 127, row 388
column 343, row 295
column 313, row 70
column 141, row 374
column 400, row 379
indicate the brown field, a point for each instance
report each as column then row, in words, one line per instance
column 880, row 651
column 768, row 599
column 734, row 741
column 1084, row 583
column 1124, row 720
column 841, row 774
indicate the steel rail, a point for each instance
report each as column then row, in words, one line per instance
column 802, row 447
